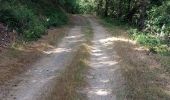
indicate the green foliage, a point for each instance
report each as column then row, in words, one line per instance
column 150, row 17
column 31, row 18
column 69, row 5
column 50, row 13
column 150, row 41
column 147, row 40
column 23, row 20
column 86, row 6
column 115, row 21
column 55, row 18
column 158, row 22
column 157, row 29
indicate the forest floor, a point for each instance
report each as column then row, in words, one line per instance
column 86, row 60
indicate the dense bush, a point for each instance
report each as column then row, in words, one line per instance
column 151, row 41
column 30, row 18
column 86, row 6
column 50, row 13
column 70, row 6
column 158, row 22
column 156, row 32
column 23, row 21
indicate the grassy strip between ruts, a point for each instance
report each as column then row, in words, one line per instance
column 73, row 78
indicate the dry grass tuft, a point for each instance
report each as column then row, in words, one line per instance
column 142, row 77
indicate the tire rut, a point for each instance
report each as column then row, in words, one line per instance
column 32, row 83
column 102, row 75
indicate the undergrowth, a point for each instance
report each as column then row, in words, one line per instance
column 152, row 42
column 31, row 18
column 113, row 22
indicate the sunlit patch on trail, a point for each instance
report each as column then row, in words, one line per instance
column 110, row 63
column 101, row 59
column 110, row 40
column 101, row 92
column 74, row 36
column 140, row 49
column 95, row 50
column 105, row 80
column 58, row 50
column 104, row 63
column 97, row 54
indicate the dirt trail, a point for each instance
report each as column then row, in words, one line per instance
column 102, row 78
column 38, row 81
column 31, row 84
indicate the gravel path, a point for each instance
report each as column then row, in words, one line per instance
column 103, row 66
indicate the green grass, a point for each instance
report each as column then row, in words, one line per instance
column 111, row 22
column 155, row 44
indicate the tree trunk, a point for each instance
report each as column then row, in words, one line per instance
column 131, row 13
column 120, row 8
column 99, row 7
column 129, row 5
column 106, row 8
column 142, row 13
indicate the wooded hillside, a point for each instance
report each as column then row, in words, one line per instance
column 31, row 18
column 150, row 19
